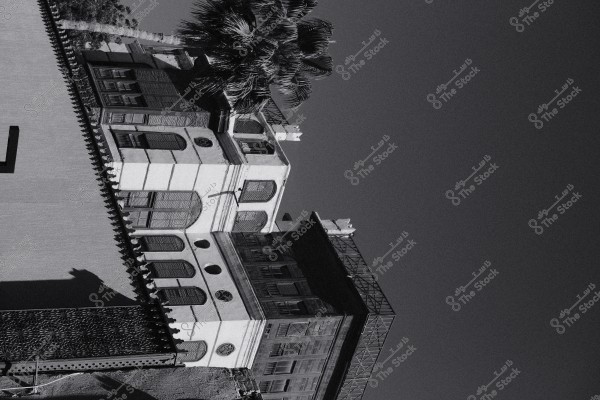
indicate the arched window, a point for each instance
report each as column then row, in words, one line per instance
column 161, row 243
column 250, row 221
column 183, row 296
column 162, row 210
column 171, row 269
column 258, row 191
column 245, row 125
column 149, row 140
column 192, row 351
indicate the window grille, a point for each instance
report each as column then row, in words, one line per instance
column 183, row 296
column 254, row 255
column 171, row 269
column 124, row 100
column 248, row 126
column 161, row 243
column 162, row 210
column 149, row 140
column 275, row 271
column 114, row 100
column 311, row 366
column 192, row 351
column 283, row 367
column 119, row 86
column 133, row 100
column 115, row 73
column 277, row 386
column 270, row 368
column 287, row 289
column 297, row 329
column 291, row 307
column 282, row 330
column 325, row 327
column 276, row 350
column 252, row 239
column 294, row 349
column 121, row 118
column 250, row 221
column 258, row 191
column 319, row 347
column 268, row 330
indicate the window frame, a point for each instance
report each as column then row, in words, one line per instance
column 100, row 72
column 153, row 267
column 243, row 121
column 132, row 100
column 177, row 246
column 126, row 118
column 120, row 86
column 259, row 147
column 148, row 140
column 245, row 192
column 164, row 294
column 153, row 211
column 238, row 223
column 200, row 351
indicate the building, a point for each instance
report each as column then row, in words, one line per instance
column 327, row 318
column 201, row 269
column 179, row 178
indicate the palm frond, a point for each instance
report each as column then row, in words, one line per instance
column 314, row 36
column 297, row 92
column 318, row 67
column 298, row 9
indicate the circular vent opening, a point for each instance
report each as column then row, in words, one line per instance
column 202, row 244
column 203, row 142
column 213, row 269
column 225, row 349
column 224, row 295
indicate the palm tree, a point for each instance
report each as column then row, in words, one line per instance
column 251, row 46
column 114, row 30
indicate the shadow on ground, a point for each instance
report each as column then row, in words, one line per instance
column 65, row 293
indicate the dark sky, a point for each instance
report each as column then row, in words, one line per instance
column 536, row 276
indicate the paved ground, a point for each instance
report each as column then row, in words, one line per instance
column 140, row 384
column 57, row 244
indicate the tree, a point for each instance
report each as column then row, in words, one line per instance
column 109, row 12
column 251, row 45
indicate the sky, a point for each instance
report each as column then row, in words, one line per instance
column 488, row 183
